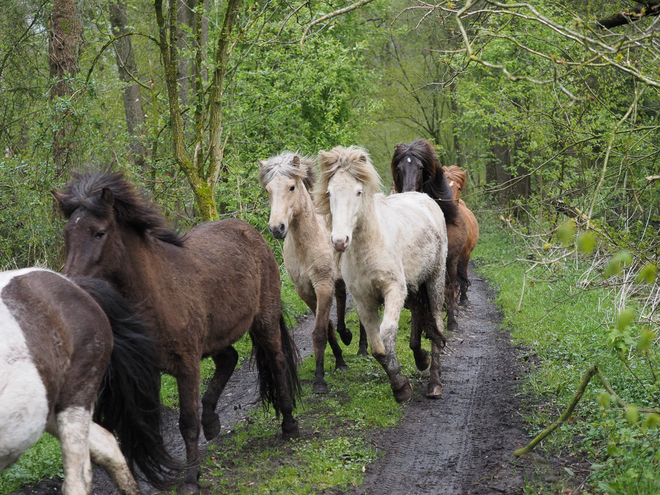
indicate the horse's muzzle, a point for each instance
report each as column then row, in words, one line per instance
column 279, row 231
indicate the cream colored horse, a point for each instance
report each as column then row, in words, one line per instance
column 394, row 251
column 308, row 254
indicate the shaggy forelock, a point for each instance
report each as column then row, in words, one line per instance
column 283, row 164
column 355, row 161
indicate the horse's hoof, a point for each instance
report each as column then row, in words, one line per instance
column 341, row 366
column 422, row 361
column 290, row 431
column 452, row 325
column 434, row 391
column 211, row 426
column 346, row 335
column 362, row 351
column 188, row 488
column 320, row 387
column 464, row 302
column 403, row 394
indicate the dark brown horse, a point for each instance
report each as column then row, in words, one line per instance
column 456, row 179
column 415, row 167
column 68, row 347
column 200, row 292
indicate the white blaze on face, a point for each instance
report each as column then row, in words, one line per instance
column 23, row 400
column 451, row 183
column 345, row 202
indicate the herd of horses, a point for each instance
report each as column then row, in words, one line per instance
column 82, row 352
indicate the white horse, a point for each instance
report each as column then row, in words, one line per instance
column 308, row 254
column 394, row 250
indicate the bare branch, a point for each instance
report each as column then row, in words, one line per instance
column 336, row 13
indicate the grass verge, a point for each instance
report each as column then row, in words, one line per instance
column 567, row 318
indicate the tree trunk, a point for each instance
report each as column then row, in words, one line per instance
column 64, row 45
column 127, row 69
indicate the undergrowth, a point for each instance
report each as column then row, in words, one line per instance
column 567, row 311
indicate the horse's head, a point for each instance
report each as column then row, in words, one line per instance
column 407, row 170
column 286, row 179
column 455, row 179
column 90, row 235
column 348, row 179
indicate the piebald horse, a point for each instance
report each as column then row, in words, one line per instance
column 393, row 252
column 64, row 346
column 308, row 253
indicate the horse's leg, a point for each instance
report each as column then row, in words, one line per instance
column 105, row 452
column 419, row 318
column 340, row 364
column 225, row 363
column 383, row 344
column 340, row 296
column 450, row 293
column 463, row 279
column 188, row 387
column 362, row 349
column 318, row 303
column 72, row 428
column 435, row 291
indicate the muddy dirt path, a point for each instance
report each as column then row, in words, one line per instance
column 459, row 444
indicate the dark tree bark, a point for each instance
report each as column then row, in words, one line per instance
column 127, row 69
column 629, row 16
column 64, row 46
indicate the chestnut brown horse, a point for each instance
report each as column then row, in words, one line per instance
column 415, row 167
column 457, row 179
column 70, row 347
column 200, row 292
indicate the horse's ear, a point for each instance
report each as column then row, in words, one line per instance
column 261, row 164
column 363, row 158
column 59, row 196
column 296, row 161
column 107, row 197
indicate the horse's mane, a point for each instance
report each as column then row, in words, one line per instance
column 354, row 160
column 434, row 182
column 131, row 208
column 456, row 174
column 284, row 164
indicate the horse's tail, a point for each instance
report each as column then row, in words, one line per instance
column 128, row 402
column 267, row 378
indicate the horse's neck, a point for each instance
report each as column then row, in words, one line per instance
column 306, row 222
column 367, row 229
column 144, row 257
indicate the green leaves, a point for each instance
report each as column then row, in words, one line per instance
column 647, row 274
column 624, row 319
column 586, row 242
column 618, row 262
column 565, row 232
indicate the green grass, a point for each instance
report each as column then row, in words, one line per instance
column 334, row 448
column 566, row 325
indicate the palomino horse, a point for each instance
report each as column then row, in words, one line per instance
column 308, row 253
column 393, row 252
column 200, row 293
column 62, row 342
column 415, row 167
column 457, row 178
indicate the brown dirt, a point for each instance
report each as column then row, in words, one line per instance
column 462, row 443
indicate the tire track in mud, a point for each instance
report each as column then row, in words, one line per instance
column 462, row 443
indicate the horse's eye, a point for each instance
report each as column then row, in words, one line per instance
column 292, row 188
column 99, row 234
column 359, row 193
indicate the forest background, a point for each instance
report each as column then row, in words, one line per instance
column 552, row 107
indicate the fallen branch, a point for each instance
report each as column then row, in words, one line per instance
column 588, row 375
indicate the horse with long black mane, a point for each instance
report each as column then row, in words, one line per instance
column 393, row 253
column 200, row 292
column 308, row 255
column 457, row 179
column 70, row 347
column 415, row 167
